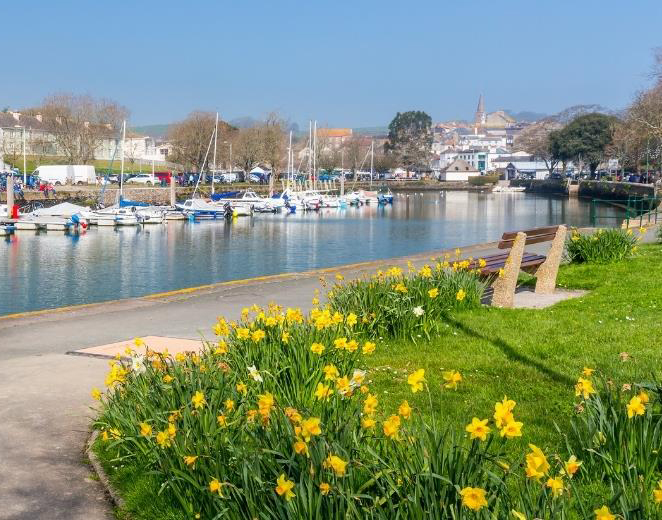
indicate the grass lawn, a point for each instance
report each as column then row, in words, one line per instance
column 535, row 356
column 532, row 356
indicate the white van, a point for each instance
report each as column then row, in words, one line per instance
column 60, row 174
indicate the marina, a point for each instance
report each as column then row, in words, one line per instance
column 45, row 269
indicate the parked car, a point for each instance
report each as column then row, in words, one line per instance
column 141, row 178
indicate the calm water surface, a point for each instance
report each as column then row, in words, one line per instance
column 46, row 270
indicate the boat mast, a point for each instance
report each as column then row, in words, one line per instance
column 290, row 161
column 342, row 170
column 310, row 151
column 213, row 173
column 122, row 158
column 372, row 159
column 315, row 157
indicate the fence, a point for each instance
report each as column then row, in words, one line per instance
column 638, row 211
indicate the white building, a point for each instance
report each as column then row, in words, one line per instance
column 458, row 170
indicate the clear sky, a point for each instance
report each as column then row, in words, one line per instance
column 345, row 63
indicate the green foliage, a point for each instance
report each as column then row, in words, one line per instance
column 603, row 246
column 618, row 436
column 392, row 304
column 410, row 138
column 482, row 180
column 585, row 139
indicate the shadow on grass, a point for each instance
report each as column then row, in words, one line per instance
column 510, row 352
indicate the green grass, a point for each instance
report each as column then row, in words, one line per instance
column 533, row 356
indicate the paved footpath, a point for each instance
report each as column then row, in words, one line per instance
column 45, row 393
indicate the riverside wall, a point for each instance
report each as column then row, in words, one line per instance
column 618, row 191
column 547, row 186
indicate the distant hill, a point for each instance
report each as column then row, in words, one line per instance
column 567, row 115
column 371, row 130
column 156, row 131
column 526, row 116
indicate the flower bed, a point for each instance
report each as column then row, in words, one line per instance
column 277, row 418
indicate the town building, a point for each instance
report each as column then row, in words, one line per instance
column 458, row 170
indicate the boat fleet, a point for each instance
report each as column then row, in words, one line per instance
column 71, row 217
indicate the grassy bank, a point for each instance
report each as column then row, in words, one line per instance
column 532, row 356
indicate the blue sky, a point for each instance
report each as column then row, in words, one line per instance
column 345, row 63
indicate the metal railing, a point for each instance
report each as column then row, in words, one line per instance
column 638, row 210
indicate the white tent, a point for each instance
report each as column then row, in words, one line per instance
column 258, row 171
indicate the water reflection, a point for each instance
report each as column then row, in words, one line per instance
column 42, row 270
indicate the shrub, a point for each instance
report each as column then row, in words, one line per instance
column 603, row 246
column 398, row 304
column 482, row 180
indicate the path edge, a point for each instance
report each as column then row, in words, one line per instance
column 108, row 488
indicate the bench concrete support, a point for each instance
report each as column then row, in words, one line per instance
column 546, row 273
column 504, row 286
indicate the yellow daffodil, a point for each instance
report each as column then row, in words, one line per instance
column 555, row 485
column 433, row 293
column 536, row 463
column 189, row 460
column 215, row 486
column 588, row 372
column 163, row 439
column 657, row 493
column 351, row 319
column 243, row 333
column 323, row 392
column 325, row 488
column 368, row 423
column 404, row 410
column 222, row 420
column 503, row 412
column 368, row 347
column 392, row 427
column 145, row 429
column 452, row 378
column 310, row 427
column 168, row 379
column 518, row 515
column 460, row 295
column 338, row 465
column 604, row 514
column 265, row 404
column 138, row 342
column 511, row 429
column 257, row 335
column 340, row 343
column 370, row 404
column 293, row 415
column 198, row 400
column 478, row 429
column 572, row 466
column 301, row 448
column 635, row 407
column 473, row 498
column 352, row 346
column 416, row 380
column 330, row 372
column 584, row 387
column 242, row 388
column 96, row 394
column 317, row 348
column 643, row 397
column 400, row 288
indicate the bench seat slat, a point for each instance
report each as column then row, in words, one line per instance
column 510, row 235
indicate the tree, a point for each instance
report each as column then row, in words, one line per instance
column 354, row 151
column 585, row 139
column 646, row 111
column 190, row 139
column 272, row 137
column 410, row 139
column 535, row 139
column 247, row 148
column 80, row 123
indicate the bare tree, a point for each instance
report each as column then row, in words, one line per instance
column 247, row 148
column 535, row 139
column 12, row 150
column 80, row 123
column 354, row 151
column 190, row 139
column 646, row 111
column 272, row 137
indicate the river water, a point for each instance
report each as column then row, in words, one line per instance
column 46, row 270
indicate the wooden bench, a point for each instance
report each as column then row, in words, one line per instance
column 507, row 265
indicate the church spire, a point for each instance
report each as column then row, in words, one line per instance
column 479, row 118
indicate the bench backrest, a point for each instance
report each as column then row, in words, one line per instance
column 533, row 236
